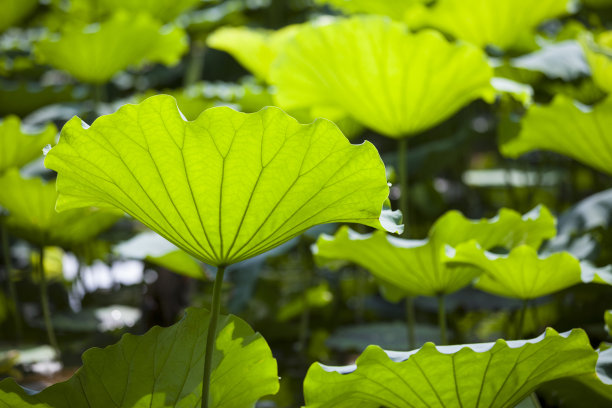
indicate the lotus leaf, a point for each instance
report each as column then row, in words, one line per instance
column 225, row 187
column 502, row 23
column 163, row 10
column 18, row 146
column 494, row 375
column 568, row 128
column 13, row 11
column 599, row 56
column 84, row 51
column 396, row 9
column 32, row 216
column 521, row 274
column 393, row 81
column 163, row 368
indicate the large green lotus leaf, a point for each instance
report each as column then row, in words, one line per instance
column 255, row 49
column 599, row 56
column 568, row 128
column 163, row 368
column 13, row 11
column 97, row 52
column 31, row 213
column 393, row 81
column 492, row 375
column 19, row 146
column 522, row 274
column 502, row 23
column 396, row 9
column 163, row 10
column 225, row 187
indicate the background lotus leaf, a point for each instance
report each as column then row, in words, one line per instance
column 19, row 146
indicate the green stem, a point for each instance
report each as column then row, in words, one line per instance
column 402, row 170
column 44, row 300
column 308, row 283
column 442, row 319
column 520, row 329
column 14, row 300
column 535, row 401
column 410, row 322
column 212, row 335
column 195, row 66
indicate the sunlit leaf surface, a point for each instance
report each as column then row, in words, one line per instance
column 19, row 146
column 13, row 11
column 502, row 23
column 392, row 81
column 163, row 368
column 396, row 9
column 163, row 10
column 30, row 204
column 599, row 56
column 225, row 187
column 131, row 40
column 492, row 375
column 568, row 128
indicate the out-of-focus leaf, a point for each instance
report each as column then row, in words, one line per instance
column 396, row 9
column 392, row 81
column 23, row 98
column 522, row 93
column 18, row 145
column 163, row 368
column 315, row 297
column 564, row 60
column 131, row 40
column 599, row 56
column 568, row 128
column 494, row 375
column 262, row 181
column 608, row 320
column 13, row 11
column 503, row 23
column 163, row 10
column 32, row 216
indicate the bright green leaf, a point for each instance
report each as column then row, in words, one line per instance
column 97, row 52
column 599, row 56
column 396, row 9
column 13, row 11
column 393, row 81
column 568, row 128
column 31, row 213
column 225, row 187
column 521, row 274
column 502, row 23
column 163, row 368
column 608, row 320
column 163, row 10
column 312, row 298
column 19, row 146
column 493, row 375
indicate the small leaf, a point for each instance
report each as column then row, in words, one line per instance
column 410, row 84
column 568, row 128
column 225, row 187
column 84, row 51
column 32, row 216
column 493, row 375
column 19, row 146
column 163, row 368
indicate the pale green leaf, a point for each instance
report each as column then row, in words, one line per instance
column 502, row 23
column 521, row 274
column 492, row 375
column 163, row 368
column 599, row 56
column 393, row 81
column 396, row 9
column 31, row 213
column 97, row 52
column 19, row 146
column 225, row 187
column 568, row 128
column 13, row 11
column 608, row 320
column 163, row 10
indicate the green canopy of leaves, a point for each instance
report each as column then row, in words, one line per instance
column 31, row 213
column 13, row 11
column 568, row 128
column 225, row 187
column 393, row 81
column 493, row 375
column 19, row 146
column 163, row 368
column 131, row 40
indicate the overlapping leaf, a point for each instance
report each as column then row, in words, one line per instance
column 568, row 128
column 225, row 187
column 416, row 267
column 163, row 368
column 30, row 204
column 502, row 23
column 131, row 40
column 599, row 56
column 392, row 81
column 19, row 146
column 493, row 375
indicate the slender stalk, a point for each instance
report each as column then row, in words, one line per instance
column 534, row 400
column 13, row 299
column 442, row 319
column 212, row 335
column 308, row 283
column 520, row 329
column 410, row 322
column 44, row 300
column 402, row 170
column 195, row 66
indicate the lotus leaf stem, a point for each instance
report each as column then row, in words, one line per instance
column 44, row 300
column 14, row 300
column 410, row 322
column 212, row 335
column 442, row 319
